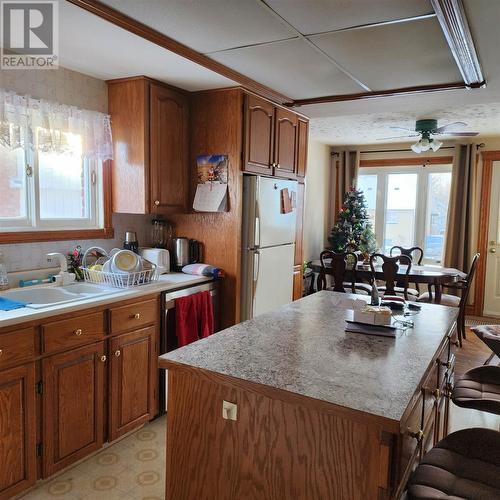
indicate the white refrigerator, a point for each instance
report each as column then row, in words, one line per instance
column 268, row 244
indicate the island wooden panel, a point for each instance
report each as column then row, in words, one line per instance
column 275, row 449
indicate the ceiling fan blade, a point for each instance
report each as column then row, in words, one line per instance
column 403, row 128
column 450, row 126
column 460, row 134
column 398, row 137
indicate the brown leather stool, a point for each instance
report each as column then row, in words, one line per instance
column 479, row 389
column 465, row 464
column 490, row 335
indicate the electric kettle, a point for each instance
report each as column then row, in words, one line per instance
column 185, row 251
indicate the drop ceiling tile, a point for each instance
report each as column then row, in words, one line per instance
column 206, row 25
column 112, row 52
column 315, row 16
column 393, row 56
column 291, row 67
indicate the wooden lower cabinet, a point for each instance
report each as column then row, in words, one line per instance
column 297, row 282
column 73, row 404
column 17, row 430
column 133, row 383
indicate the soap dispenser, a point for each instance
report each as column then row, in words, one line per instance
column 4, row 280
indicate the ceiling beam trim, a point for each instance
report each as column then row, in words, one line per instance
column 294, row 30
column 422, row 89
column 133, row 26
column 453, row 20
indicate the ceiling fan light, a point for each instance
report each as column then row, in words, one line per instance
column 425, row 145
column 436, row 144
column 416, row 147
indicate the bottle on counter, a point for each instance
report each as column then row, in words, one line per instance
column 131, row 242
column 4, row 279
column 375, row 295
column 204, row 270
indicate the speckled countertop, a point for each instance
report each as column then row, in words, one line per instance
column 303, row 348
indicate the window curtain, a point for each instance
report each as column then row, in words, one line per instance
column 39, row 124
column 346, row 168
column 463, row 209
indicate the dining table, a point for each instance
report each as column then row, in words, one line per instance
column 433, row 276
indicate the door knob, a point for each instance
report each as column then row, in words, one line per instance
column 157, row 202
column 117, row 353
column 103, row 358
column 493, row 250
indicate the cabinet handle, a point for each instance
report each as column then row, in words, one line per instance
column 278, row 165
column 447, row 364
column 103, row 358
column 1, row 352
column 78, row 332
column 419, row 435
column 117, row 353
column 157, row 202
column 136, row 316
column 273, row 164
column 436, row 393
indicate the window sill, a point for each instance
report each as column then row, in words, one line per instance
column 39, row 236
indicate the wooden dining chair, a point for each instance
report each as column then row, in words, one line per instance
column 463, row 286
column 340, row 264
column 416, row 255
column 390, row 269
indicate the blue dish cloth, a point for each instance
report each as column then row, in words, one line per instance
column 10, row 305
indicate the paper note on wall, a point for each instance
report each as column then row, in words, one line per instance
column 286, row 205
column 210, row 197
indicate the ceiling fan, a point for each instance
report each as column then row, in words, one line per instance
column 425, row 129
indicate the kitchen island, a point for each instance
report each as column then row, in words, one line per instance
column 290, row 406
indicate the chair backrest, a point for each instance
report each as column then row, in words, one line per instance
column 337, row 269
column 417, row 258
column 390, row 268
column 468, row 279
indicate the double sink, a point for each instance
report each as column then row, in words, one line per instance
column 47, row 296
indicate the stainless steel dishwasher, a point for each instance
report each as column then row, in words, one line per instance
column 168, row 337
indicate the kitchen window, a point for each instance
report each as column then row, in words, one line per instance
column 53, row 178
column 408, row 206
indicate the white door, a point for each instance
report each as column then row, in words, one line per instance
column 492, row 284
column 274, row 284
column 275, row 227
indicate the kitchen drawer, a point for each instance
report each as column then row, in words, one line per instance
column 17, row 347
column 411, row 435
column 72, row 332
column 134, row 316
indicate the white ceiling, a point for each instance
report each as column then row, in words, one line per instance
column 90, row 45
column 248, row 36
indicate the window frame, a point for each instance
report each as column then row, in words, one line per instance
column 47, row 229
column 422, row 170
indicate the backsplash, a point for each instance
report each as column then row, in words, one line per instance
column 27, row 256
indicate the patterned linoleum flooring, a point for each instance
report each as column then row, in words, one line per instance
column 132, row 468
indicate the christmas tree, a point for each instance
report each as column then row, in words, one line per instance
column 353, row 227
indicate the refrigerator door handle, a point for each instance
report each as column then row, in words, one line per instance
column 257, row 231
column 256, row 262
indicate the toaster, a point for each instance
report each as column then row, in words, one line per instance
column 160, row 257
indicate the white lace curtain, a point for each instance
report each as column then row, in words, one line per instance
column 39, row 124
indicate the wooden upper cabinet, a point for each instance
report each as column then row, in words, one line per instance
column 285, row 148
column 169, row 150
column 133, row 384
column 259, row 135
column 275, row 140
column 302, row 144
column 17, row 430
column 73, row 405
column 150, row 155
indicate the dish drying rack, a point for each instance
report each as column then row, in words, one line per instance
column 116, row 280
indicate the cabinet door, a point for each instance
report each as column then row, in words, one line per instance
column 17, row 430
column 302, row 143
column 285, row 147
column 169, row 160
column 297, row 282
column 72, row 405
column 134, row 379
column 259, row 135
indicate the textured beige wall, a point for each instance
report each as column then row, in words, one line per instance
column 317, row 199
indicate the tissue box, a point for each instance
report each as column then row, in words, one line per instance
column 373, row 315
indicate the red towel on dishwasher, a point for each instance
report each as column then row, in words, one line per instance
column 193, row 317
